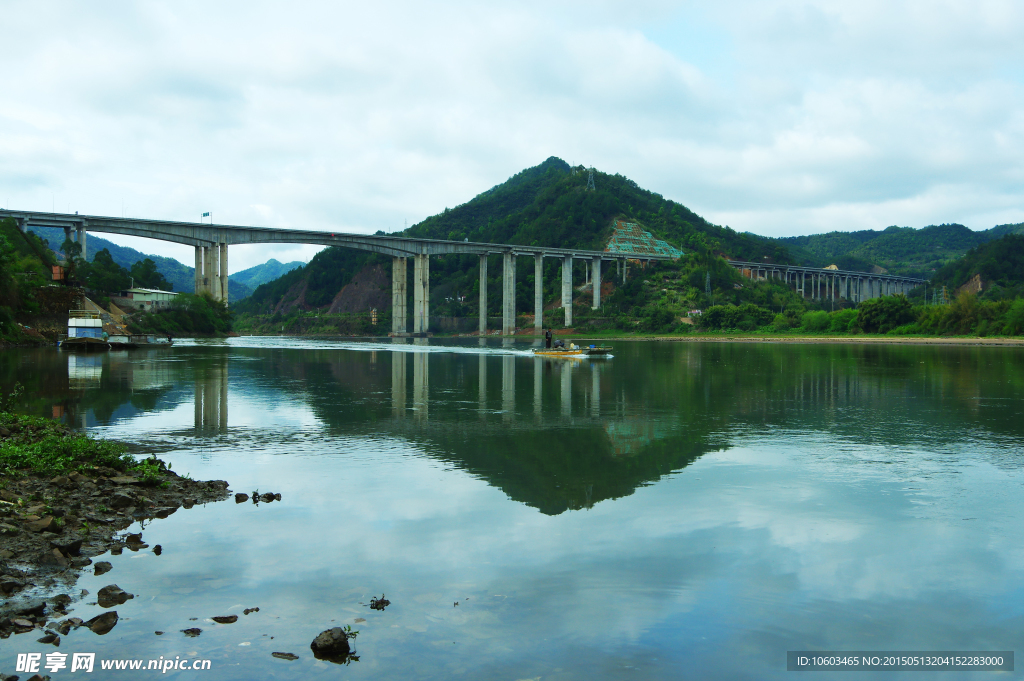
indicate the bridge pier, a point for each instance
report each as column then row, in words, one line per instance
column 538, row 294
column 199, row 270
column 421, row 293
column 483, row 294
column 567, row 289
column 595, row 281
column 208, row 269
column 223, row 283
column 80, row 231
column 508, row 294
column 399, row 295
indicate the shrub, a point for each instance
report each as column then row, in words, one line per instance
column 841, row 321
column 661, row 319
column 782, row 323
column 746, row 317
column 880, row 315
column 1013, row 320
column 815, row 321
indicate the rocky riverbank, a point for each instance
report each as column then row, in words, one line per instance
column 65, row 499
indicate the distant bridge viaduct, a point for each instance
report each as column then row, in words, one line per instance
column 211, row 262
column 828, row 284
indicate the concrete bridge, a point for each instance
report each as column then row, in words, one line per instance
column 817, row 283
column 211, row 263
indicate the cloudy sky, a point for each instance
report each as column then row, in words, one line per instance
column 770, row 116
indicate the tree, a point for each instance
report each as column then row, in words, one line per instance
column 74, row 265
column 105, row 275
column 146, row 275
column 881, row 315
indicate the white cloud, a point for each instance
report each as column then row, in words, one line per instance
column 775, row 117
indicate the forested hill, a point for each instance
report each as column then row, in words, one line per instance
column 999, row 263
column 547, row 205
column 899, row 250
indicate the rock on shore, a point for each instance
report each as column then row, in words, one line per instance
column 51, row 528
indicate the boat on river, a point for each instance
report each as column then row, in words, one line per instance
column 83, row 344
column 88, row 331
column 574, row 350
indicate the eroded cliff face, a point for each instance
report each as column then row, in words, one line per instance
column 369, row 289
column 295, row 298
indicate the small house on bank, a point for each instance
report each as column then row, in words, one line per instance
column 144, row 299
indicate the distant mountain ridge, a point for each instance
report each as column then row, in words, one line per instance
column 182, row 277
column 268, row 271
column 899, row 250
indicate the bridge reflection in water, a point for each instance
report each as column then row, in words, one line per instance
column 211, row 398
column 557, row 437
column 561, row 371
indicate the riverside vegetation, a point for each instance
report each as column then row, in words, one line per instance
column 65, row 498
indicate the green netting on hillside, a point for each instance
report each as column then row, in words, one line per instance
column 629, row 237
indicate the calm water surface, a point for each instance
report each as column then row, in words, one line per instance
column 678, row 511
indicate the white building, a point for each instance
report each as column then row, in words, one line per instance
column 144, row 299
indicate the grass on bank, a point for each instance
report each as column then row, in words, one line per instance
column 35, row 445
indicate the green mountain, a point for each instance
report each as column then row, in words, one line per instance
column 182, row 277
column 261, row 274
column 899, row 250
column 548, row 205
column 999, row 263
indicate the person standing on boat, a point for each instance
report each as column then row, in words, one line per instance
column 547, row 339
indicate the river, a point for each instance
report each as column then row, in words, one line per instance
column 679, row 510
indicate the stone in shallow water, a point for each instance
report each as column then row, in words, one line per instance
column 225, row 619
column 285, row 656
column 50, row 637
column 331, row 645
column 101, row 624
column 192, row 632
column 112, row 595
column 102, row 567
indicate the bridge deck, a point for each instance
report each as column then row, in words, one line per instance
column 202, row 234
